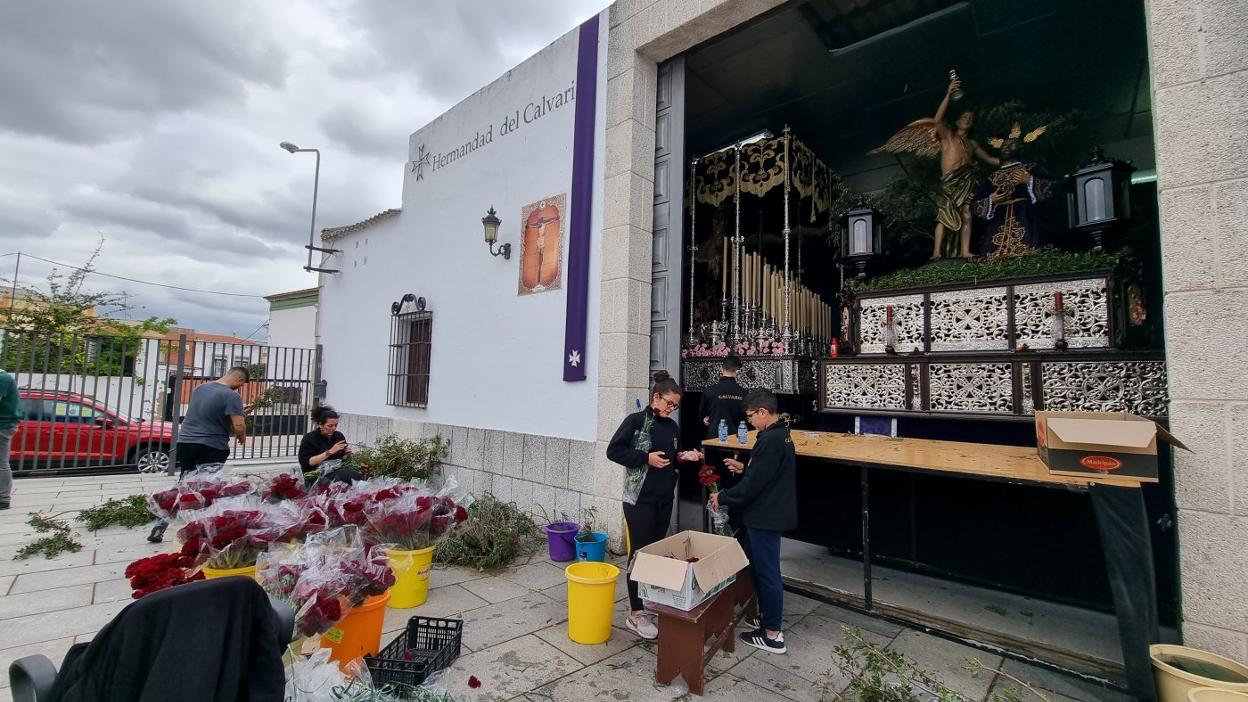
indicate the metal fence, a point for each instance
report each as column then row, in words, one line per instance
column 116, row 403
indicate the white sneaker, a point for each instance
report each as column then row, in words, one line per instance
column 643, row 626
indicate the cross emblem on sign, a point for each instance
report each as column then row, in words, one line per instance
column 423, row 158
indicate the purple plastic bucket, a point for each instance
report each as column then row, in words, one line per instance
column 561, row 540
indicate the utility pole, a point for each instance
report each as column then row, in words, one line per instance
column 13, row 293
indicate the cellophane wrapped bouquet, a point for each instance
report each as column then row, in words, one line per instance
column 324, row 577
column 195, row 491
column 233, row 532
column 285, row 486
column 411, row 517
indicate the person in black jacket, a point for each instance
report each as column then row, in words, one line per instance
column 325, row 443
column 647, row 444
column 207, row 641
column 766, row 498
column 723, row 400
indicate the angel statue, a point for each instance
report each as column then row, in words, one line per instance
column 931, row 136
column 1005, row 203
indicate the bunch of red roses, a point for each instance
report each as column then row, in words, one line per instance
column 285, row 486
column 232, row 538
column 164, row 570
column 413, row 521
column 324, row 577
column 195, row 493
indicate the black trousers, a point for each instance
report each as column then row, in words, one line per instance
column 646, row 522
column 191, row 456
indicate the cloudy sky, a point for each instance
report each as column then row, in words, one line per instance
column 155, row 125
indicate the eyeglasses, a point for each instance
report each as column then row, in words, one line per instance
column 671, row 406
column 749, row 414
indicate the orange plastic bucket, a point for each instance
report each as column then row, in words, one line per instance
column 359, row 633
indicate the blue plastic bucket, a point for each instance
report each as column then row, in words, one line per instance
column 595, row 550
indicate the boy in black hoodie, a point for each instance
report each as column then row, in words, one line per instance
column 723, row 400
column 766, row 499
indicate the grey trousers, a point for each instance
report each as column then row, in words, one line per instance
column 6, row 470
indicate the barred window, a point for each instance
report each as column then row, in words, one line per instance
column 410, row 336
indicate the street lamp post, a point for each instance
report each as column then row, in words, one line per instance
column 316, row 184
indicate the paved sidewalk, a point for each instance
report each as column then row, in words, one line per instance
column 515, row 632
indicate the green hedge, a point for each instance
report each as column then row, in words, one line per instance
column 1047, row 261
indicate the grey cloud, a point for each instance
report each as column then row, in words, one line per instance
column 157, row 123
column 85, row 72
column 451, row 49
column 361, row 131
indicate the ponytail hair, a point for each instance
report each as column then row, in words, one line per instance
column 323, row 413
column 664, row 384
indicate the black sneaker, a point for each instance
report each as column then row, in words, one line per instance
column 158, row 533
column 759, row 639
column 4, row 505
column 752, row 623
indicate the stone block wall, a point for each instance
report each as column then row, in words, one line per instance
column 547, row 476
column 1199, row 69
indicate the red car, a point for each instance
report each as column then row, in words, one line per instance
column 68, row 430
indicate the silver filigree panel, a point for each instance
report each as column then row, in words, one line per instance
column 907, row 323
column 971, row 387
column 1106, row 386
column 864, row 385
column 766, row 373
column 1087, row 313
column 698, row 374
column 970, row 320
column 1029, row 402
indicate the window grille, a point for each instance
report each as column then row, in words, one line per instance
column 411, row 331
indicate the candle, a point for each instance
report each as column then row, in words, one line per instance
column 749, row 278
column 725, row 268
column 1057, row 302
column 758, row 273
column 766, row 292
column 745, row 278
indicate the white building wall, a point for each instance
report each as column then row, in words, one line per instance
column 497, row 393
column 497, row 356
column 294, row 328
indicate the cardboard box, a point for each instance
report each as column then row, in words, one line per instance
column 1100, row 444
column 665, row 576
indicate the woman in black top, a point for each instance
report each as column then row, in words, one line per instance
column 647, row 444
column 324, row 442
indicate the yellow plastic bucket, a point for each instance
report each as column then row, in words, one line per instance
column 359, row 633
column 591, row 601
column 213, row 573
column 1213, row 694
column 1173, row 668
column 411, row 577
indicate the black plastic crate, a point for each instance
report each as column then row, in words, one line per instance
column 428, row 645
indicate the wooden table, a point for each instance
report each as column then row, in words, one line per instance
column 1011, row 464
column 684, row 636
column 1116, row 501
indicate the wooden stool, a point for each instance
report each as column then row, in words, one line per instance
column 684, row 636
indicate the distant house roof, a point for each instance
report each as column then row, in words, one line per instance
column 331, row 233
column 308, row 297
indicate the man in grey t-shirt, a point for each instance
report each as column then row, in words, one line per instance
column 215, row 411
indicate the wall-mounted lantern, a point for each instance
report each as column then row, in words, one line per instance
column 490, row 222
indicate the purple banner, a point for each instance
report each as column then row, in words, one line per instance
column 582, row 195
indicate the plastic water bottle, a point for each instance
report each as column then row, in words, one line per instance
column 741, row 430
column 723, row 431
